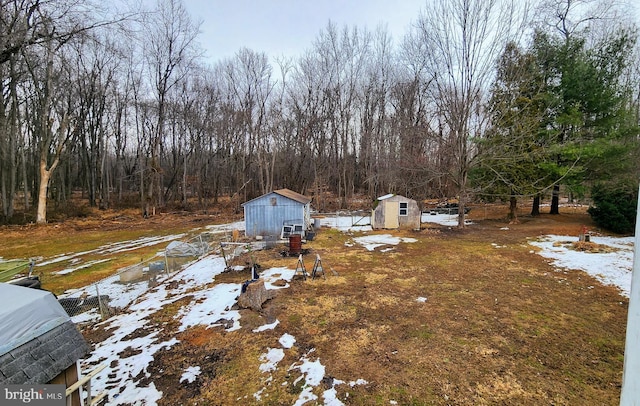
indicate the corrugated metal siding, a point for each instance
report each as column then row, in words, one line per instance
column 263, row 218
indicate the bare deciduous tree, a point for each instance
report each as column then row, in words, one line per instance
column 462, row 39
column 169, row 44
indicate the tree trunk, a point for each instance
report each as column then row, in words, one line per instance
column 10, row 164
column 184, row 181
column 462, row 200
column 513, row 210
column 45, row 177
column 555, row 200
column 104, row 182
column 461, row 214
column 535, row 207
column 25, row 182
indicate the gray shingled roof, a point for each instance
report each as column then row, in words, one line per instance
column 43, row 358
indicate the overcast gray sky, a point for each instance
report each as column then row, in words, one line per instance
column 288, row 27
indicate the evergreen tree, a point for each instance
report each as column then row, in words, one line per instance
column 559, row 115
column 510, row 153
column 586, row 112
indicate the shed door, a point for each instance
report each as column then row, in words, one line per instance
column 391, row 210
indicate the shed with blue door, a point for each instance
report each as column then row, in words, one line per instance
column 268, row 214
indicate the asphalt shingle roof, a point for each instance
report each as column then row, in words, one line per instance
column 43, row 358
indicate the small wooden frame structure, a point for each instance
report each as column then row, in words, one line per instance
column 85, row 382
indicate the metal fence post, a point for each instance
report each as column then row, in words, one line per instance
column 166, row 263
column 103, row 312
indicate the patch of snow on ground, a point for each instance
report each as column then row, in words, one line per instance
column 266, row 327
column 62, row 257
column 150, row 394
column 85, row 265
column 358, row 382
column 210, row 306
column 312, row 372
column 90, row 316
column 613, row 268
column 135, row 244
column 270, row 276
column 114, row 248
column 371, row 242
column 347, row 223
column 116, row 350
column 450, row 220
column 127, row 358
column 190, row 374
column 287, row 340
column 271, row 359
column 238, row 225
column 120, row 294
column 331, row 397
column 201, row 272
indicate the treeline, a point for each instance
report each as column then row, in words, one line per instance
column 477, row 101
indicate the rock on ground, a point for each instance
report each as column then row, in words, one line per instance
column 255, row 295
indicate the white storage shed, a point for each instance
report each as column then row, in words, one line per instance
column 395, row 211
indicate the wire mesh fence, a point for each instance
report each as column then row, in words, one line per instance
column 108, row 296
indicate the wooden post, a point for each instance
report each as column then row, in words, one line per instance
column 631, row 370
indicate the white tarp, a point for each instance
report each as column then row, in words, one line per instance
column 25, row 314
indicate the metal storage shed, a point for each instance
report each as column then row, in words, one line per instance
column 266, row 215
column 395, row 211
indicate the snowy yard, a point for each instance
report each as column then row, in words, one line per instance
column 611, row 268
column 210, row 304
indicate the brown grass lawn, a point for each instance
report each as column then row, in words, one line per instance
column 499, row 326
